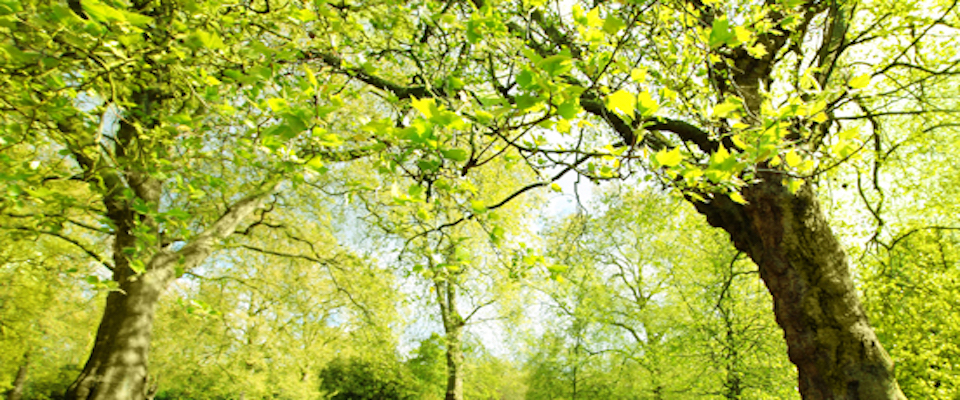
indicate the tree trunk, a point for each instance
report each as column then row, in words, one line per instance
column 16, row 392
column 453, row 328
column 803, row 266
column 455, row 364
column 117, row 367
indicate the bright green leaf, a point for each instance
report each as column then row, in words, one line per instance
column 669, row 158
column 860, row 82
column 622, row 101
column 737, row 197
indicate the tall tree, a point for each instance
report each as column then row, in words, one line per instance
column 740, row 106
column 176, row 127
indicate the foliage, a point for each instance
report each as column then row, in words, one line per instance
column 358, row 379
column 138, row 137
column 653, row 303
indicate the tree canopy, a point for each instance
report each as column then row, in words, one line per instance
column 255, row 191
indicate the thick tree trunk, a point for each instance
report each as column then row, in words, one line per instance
column 20, row 382
column 803, row 266
column 117, row 367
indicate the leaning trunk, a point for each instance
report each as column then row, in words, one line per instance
column 117, row 367
column 16, row 392
column 806, row 271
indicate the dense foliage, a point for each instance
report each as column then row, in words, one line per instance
column 486, row 199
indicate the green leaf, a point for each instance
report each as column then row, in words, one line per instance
column 10, row 6
column 612, row 25
column 101, row 12
column 720, row 33
column 555, row 187
column 622, row 101
column 593, row 18
column 722, row 160
column 525, row 79
column 647, row 105
column 553, row 65
column 669, row 158
column 737, row 197
column 478, row 207
column 860, row 82
column 137, row 266
column 793, row 159
column 725, row 109
column 209, row 40
column 277, row 104
column 427, row 107
column 570, row 108
column 316, row 164
column 455, row 154
column 311, row 76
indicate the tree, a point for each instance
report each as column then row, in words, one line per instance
column 168, row 131
column 654, row 303
column 359, row 379
column 46, row 315
column 739, row 106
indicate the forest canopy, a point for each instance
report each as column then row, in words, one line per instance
column 480, row 199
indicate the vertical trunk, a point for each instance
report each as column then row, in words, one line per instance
column 117, row 367
column 803, row 266
column 732, row 384
column 453, row 328
column 16, row 392
column 454, row 364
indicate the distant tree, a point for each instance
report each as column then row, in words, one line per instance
column 361, row 379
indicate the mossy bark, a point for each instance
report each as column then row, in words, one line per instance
column 805, row 269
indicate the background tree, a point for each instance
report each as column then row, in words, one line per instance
column 175, row 127
column 653, row 304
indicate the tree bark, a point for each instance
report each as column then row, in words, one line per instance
column 117, row 367
column 455, row 364
column 806, row 271
column 453, row 328
column 20, row 382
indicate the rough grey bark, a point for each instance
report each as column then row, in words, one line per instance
column 806, row 271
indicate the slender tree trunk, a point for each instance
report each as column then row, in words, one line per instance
column 16, row 392
column 453, row 328
column 803, row 266
column 455, row 364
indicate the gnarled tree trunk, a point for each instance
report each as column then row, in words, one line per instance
column 802, row 264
